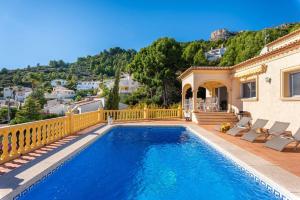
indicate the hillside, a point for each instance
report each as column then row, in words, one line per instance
column 94, row 67
column 155, row 66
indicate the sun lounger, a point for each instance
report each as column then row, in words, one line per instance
column 258, row 124
column 277, row 129
column 280, row 142
column 242, row 125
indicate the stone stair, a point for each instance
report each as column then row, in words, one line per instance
column 215, row 118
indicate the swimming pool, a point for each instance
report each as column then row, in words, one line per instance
column 146, row 162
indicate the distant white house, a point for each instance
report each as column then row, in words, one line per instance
column 58, row 82
column 87, row 85
column 215, row 54
column 127, row 85
column 88, row 105
column 60, row 92
column 17, row 93
column 56, row 107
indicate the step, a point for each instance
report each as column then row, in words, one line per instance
column 219, row 119
column 215, row 113
column 216, row 117
column 216, row 123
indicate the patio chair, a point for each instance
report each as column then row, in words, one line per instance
column 211, row 104
column 242, row 125
column 187, row 115
column 277, row 128
column 200, row 104
column 280, row 142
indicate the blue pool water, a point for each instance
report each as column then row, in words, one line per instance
column 148, row 163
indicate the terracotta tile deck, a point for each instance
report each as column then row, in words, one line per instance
column 288, row 160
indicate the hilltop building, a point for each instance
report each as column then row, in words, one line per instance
column 215, row 54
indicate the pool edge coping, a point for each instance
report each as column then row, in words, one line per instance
column 84, row 142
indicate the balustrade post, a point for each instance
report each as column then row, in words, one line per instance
column 179, row 112
column 5, row 142
column 100, row 115
column 146, row 111
column 14, row 150
column 70, row 122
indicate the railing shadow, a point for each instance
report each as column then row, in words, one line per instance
column 10, row 170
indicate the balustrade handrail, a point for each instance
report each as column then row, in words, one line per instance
column 19, row 139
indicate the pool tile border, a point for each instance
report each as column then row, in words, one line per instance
column 278, row 191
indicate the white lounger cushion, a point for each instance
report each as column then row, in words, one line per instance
column 252, row 134
column 239, row 127
column 280, row 142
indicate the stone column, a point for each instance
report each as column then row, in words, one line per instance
column 229, row 99
column 195, row 100
column 183, row 99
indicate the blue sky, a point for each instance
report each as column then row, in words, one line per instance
column 36, row 31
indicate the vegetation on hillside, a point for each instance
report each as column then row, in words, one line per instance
column 156, row 66
column 94, row 67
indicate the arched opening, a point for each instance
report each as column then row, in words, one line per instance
column 201, row 93
column 187, row 100
column 189, row 93
column 212, row 96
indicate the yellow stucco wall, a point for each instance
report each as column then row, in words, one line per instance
column 270, row 105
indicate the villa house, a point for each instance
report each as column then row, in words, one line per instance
column 17, row 93
column 58, row 82
column 60, row 92
column 127, row 85
column 267, row 86
column 87, row 85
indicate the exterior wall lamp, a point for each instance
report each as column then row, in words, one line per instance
column 268, row 79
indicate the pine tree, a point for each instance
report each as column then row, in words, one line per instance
column 113, row 96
